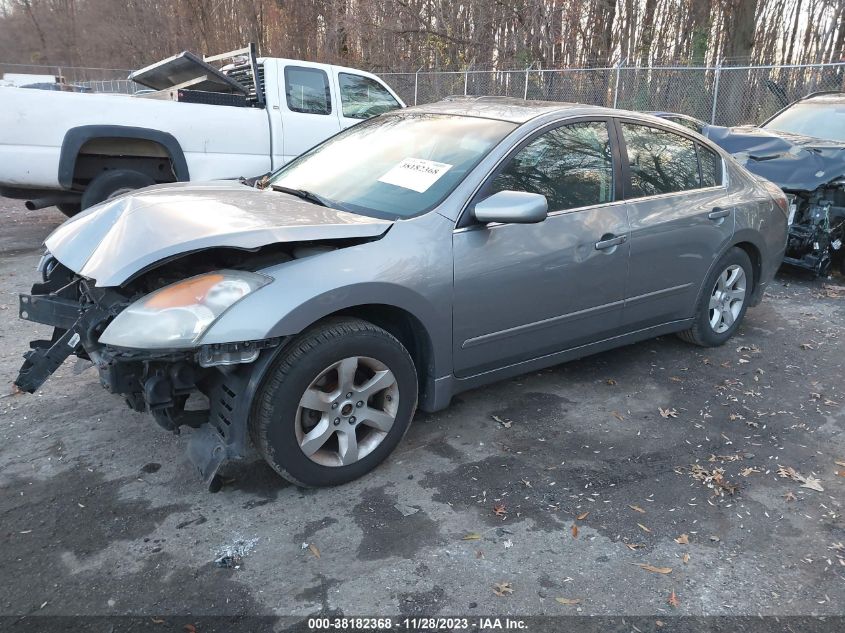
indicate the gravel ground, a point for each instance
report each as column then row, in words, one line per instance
column 586, row 482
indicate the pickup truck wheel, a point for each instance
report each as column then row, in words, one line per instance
column 336, row 403
column 724, row 301
column 112, row 183
column 70, row 209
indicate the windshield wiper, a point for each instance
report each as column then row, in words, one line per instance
column 305, row 195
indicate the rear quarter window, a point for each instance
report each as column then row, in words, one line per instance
column 711, row 167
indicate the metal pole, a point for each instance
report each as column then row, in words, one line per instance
column 716, row 91
column 525, row 93
column 616, row 86
column 466, row 79
column 416, row 83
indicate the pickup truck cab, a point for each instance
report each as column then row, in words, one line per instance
column 222, row 117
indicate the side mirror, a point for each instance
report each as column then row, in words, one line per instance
column 512, row 207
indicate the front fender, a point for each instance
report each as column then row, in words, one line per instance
column 304, row 291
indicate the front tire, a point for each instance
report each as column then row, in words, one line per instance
column 113, row 183
column 335, row 404
column 723, row 303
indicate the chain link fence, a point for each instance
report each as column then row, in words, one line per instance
column 723, row 95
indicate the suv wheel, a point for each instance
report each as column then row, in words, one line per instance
column 722, row 305
column 336, row 404
column 113, row 183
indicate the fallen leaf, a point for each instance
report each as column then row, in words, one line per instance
column 807, row 346
column 618, row 415
column 636, row 508
column 644, row 528
column 582, row 516
column 839, row 463
column 790, row 496
column 472, row 536
column 676, row 379
column 507, row 543
column 667, row 413
column 505, row 423
column 502, row 588
column 634, row 546
column 813, row 483
column 313, row 549
column 500, row 511
column 568, row 600
column 610, row 381
column 190, row 628
column 656, row 570
column 157, row 621
column 574, row 531
column 683, row 539
column 673, row 599
column 685, row 558
column 742, row 361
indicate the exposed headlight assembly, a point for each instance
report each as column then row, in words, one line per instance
column 176, row 316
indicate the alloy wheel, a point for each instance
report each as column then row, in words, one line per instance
column 347, row 411
column 727, row 298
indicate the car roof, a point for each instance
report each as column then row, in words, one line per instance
column 506, row 108
column 826, row 97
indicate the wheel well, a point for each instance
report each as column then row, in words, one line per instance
column 407, row 329
column 137, row 154
column 756, row 261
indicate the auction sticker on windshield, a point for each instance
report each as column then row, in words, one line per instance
column 417, row 174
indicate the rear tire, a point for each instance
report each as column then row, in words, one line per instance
column 70, row 209
column 113, row 183
column 335, row 404
column 723, row 302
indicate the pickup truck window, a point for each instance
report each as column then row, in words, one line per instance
column 362, row 97
column 307, row 90
column 394, row 166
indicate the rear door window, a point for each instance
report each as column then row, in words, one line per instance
column 659, row 162
column 307, row 90
column 363, row 97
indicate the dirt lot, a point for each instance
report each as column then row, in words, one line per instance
column 563, row 484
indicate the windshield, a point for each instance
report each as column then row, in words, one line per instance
column 395, row 166
column 812, row 119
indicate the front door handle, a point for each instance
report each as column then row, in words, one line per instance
column 609, row 241
column 718, row 214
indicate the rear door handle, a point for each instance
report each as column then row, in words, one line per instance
column 718, row 214
column 609, row 241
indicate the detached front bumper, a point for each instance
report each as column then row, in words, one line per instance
column 159, row 382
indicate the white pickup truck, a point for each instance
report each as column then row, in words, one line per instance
column 209, row 118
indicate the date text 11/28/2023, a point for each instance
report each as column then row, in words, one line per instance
column 415, row 624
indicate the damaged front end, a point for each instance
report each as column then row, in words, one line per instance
column 208, row 388
column 817, row 228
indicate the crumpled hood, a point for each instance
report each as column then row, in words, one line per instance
column 114, row 240
column 791, row 161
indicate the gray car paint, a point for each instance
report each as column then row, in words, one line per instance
column 113, row 241
column 526, row 285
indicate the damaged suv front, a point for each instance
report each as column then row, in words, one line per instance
column 140, row 313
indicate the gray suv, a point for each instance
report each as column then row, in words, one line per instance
column 411, row 257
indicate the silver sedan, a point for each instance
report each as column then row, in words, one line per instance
column 411, row 257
